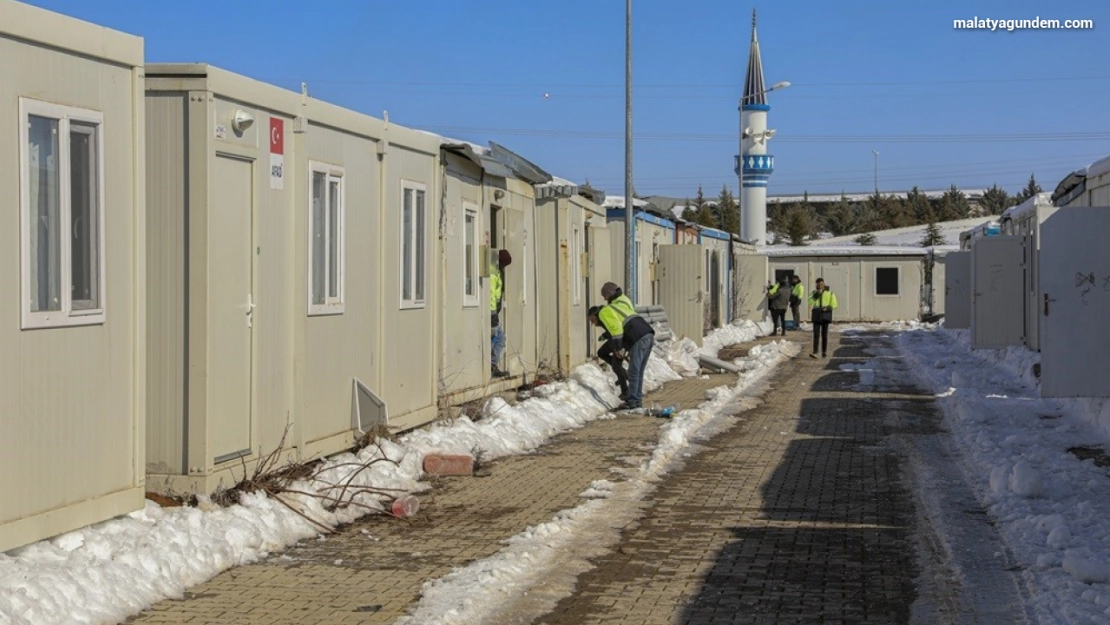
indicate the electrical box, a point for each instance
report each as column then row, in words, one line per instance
column 483, row 255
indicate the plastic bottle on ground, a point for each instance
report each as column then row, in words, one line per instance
column 405, row 506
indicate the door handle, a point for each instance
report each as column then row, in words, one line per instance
column 250, row 309
column 1046, row 301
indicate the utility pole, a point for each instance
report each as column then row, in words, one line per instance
column 876, row 153
column 629, row 216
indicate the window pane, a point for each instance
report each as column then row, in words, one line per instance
column 44, row 185
column 334, row 244
column 319, row 246
column 419, row 246
column 886, row 281
column 84, row 217
column 406, row 246
column 468, row 254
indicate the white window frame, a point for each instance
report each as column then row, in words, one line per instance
column 576, row 264
column 66, row 316
column 473, row 299
column 898, row 284
column 333, row 304
column 413, row 302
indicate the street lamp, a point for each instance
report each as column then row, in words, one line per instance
column 764, row 135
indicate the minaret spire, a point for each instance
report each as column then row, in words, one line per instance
column 754, row 165
column 754, row 91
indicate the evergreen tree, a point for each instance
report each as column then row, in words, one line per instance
column 687, row 210
column 866, row 238
column 954, row 205
column 892, row 212
column 933, row 235
column 840, row 217
column 919, row 207
column 703, row 213
column 728, row 214
column 995, row 200
column 1031, row 189
column 778, row 214
column 799, row 224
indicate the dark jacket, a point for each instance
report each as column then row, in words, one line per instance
column 778, row 297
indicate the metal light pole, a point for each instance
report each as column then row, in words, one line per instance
column 629, row 216
column 876, row 153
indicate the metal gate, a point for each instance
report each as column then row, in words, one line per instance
column 997, row 295
column 1075, row 286
column 957, row 290
column 680, row 289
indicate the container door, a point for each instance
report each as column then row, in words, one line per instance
column 680, row 289
column 997, row 296
column 957, row 290
column 1075, row 284
column 749, row 276
column 230, row 307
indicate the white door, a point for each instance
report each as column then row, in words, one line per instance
column 680, row 289
column 1075, row 296
column 997, row 294
column 749, row 275
column 230, row 307
column 957, row 290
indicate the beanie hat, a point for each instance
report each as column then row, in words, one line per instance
column 608, row 289
column 504, row 258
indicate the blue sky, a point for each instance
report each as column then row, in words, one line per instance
column 941, row 106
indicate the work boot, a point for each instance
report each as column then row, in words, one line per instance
column 498, row 373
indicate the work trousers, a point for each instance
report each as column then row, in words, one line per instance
column 606, row 354
column 821, row 332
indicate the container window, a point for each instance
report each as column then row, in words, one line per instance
column 413, row 245
column 326, row 233
column 470, row 257
column 886, row 281
column 62, row 251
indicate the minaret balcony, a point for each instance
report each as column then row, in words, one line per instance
column 755, row 165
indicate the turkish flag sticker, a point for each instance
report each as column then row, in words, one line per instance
column 277, row 135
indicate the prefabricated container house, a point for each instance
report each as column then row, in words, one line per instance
column 71, row 397
column 996, row 291
column 1024, row 221
column 652, row 232
column 749, row 272
column 957, row 290
column 1089, row 186
column 871, row 283
column 568, row 227
column 292, row 299
column 715, row 246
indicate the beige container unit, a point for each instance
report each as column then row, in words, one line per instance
column 563, row 265
column 600, row 269
column 464, row 369
column 749, row 278
column 652, row 233
column 72, row 407
column 273, row 262
column 410, row 340
column 879, row 286
column 512, row 227
column 715, row 248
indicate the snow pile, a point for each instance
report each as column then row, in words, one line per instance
column 682, row 356
column 738, row 332
column 107, row 572
column 1023, row 455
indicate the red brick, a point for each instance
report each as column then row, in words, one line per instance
column 445, row 464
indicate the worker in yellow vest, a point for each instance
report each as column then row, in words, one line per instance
column 630, row 334
column 496, row 300
column 797, row 292
column 822, row 303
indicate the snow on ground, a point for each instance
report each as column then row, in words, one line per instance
column 1050, row 506
column 109, row 571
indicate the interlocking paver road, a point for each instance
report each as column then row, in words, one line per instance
column 798, row 513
